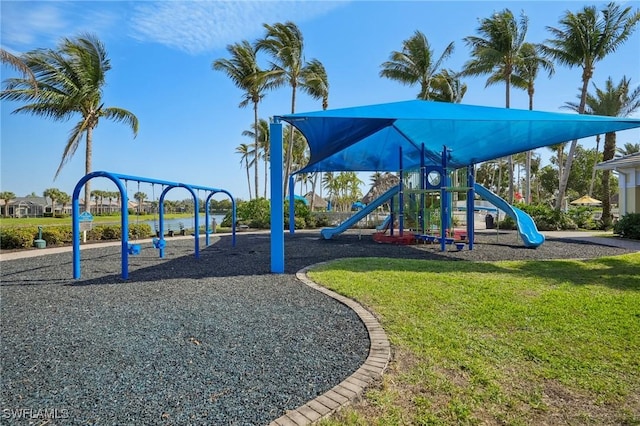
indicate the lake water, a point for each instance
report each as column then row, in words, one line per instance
column 188, row 222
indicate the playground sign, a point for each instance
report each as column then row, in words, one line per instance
column 85, row 219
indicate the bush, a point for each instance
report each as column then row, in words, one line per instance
column 139, row 230
column 583, row 217
column 547, row 218
column 507, row 223
column 17, row 238
column 57, row 235
column 628, row 226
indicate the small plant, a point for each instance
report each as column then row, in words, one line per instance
column 628, row 226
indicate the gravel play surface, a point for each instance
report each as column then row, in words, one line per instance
column 216, row 340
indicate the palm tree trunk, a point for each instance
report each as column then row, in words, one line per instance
column 87, row 169
column 248, row 177
column 564, row 177
column 595, row 163
column 255, row 149
column 608, row 151
column 290, row 147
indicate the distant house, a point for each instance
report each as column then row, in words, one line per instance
column 628, row 170
column 26, row 207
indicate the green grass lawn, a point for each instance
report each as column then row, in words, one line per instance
column 53, row 221
column 526, row 342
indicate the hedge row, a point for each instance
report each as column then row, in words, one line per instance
column 21, row 238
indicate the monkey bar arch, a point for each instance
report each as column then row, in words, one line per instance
column 118, row 179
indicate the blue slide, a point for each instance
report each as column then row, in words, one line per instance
column 327, row 233
column 384, row 225
column 526, row 226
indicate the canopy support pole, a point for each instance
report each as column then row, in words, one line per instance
column 444, row 200
column 277, row 198
column 400, row 197
column 470, row 207
column 423, row 187
column 292, row 206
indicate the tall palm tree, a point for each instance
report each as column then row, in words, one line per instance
column 415, row 63
column 497, row 52
column 70, row 81
column 243, row 69
column 524, row 76
column 316, row 82
column 614, row 101
column 262, row 136
column 628, row 149
column 244, row 150
column 583, row 39
column 285, row 44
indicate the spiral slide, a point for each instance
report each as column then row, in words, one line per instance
column 529, row 233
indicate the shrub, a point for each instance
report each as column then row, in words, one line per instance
column 583, row 217
column 57, row 235
column 139, row 230
column 17, row 238
column 628, row 226
column 507, row 223
column 547, row 218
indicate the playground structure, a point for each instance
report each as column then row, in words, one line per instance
column 128, row 248
column 425, row 202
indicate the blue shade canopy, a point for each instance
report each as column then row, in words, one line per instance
column 368, row 138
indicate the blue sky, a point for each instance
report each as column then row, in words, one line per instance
column 190, row 123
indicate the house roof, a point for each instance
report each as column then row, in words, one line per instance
column 631, row 161
column 369, row 138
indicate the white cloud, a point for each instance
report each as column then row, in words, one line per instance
column 24, row 24
column 201, row 26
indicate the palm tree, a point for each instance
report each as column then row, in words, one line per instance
column 285, row 44
column 64, row 199
column 70, row 81
column 415, row 64
column 261, row 134
column 446, row 86
column 7, row 196
column 582, row 40
column 496, row 52
column 524, row 76
column 243, row 69
column 614, row 101
column 316, row 82
column 54, row 195
column 140, row 197
column 18, row 65
column 628, row 149
column 244, row 150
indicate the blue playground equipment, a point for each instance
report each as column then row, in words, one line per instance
column 158, row 242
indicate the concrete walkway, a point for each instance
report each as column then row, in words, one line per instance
column 595, row 237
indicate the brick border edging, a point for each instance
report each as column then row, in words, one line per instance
column 353, row 386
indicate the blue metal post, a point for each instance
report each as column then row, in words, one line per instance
column 161, row 218
column 206, row 219
column 470, row 207
column 196, row 221
column 401, row 197
column 75, row 226
column 292, row 206
column 423, row 187
column 277, row 201
column 444, row 200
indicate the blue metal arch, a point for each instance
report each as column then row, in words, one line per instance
column 117, row 179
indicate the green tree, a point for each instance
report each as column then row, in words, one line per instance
column 18, row 64
column 628, row 149
column 583, row 39
column 140, row 197
column 415, row 64
column 261, row 134
column 615, row 101
column 64, row 199
column 53, row 194
column 446, row 86
column 524, row 76
column 285, row 44
column 70, row 82
column 497, row 51
column 243, row 69
column 7, row 196
column 244, row 150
